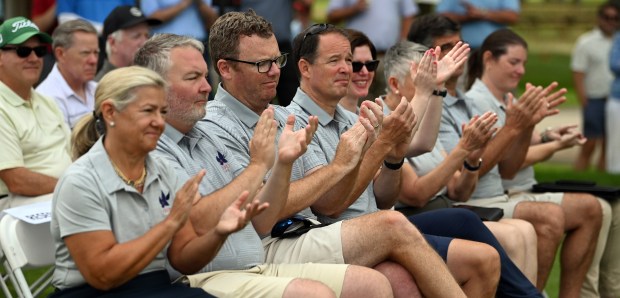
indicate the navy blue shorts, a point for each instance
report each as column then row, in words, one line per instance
column 594, row 118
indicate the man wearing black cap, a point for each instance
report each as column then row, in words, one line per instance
column 33, row 136
column 124, row 30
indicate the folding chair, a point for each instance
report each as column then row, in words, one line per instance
column 27, row 246
column 5, row 276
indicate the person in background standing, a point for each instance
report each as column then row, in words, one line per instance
column 592, row 80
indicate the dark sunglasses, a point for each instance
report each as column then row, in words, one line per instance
column 316, row 29
column 23, row 51
column 370, row 65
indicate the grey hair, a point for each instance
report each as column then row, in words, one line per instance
column 63, row 34
column 398, row 58
column 117, row 36
column 155, row 53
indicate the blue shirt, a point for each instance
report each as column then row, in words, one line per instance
column 188, row 22
column 93, row 10
column 475, row 32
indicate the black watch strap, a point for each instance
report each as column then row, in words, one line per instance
column 394, row 166
column 442, row 93
column 472, row 168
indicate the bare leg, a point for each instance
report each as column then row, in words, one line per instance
column 365, row 282
column 600, row 165
column 475, row 266
column 307, row 288
column 403, row 284
column 388, row 235
column 583, row 217
column 531, row 246
column 590, row 288
column 585, row 154
column 548, row 221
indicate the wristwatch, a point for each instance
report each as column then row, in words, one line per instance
column 441, row 93
column 394, row 166
column 472, row 168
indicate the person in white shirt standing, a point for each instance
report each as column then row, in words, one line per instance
column 592, row 80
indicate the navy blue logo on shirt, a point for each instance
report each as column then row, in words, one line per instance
column 221, row 158
column 163, row 199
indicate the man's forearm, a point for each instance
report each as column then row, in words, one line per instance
column 275, row 192
column 205, row 215
column 24, row 182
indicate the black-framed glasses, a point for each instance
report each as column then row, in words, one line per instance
column 370, row 65
column 264, row 66
column 24, row 51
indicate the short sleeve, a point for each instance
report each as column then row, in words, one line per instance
column 579, row 58
column 12, row 155
column 79, row 207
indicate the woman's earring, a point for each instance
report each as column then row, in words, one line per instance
column 396, row 92
column 112, row 124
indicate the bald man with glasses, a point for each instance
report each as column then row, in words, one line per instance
column 33, row 135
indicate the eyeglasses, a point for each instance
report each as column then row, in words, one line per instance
column 370, row 65
column 264, row 66
column 23, row 51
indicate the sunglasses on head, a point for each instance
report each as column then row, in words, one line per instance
column 370, row 65
column 23, row 51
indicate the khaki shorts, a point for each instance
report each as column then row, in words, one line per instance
column 320, row 245
column 267, row 280
column 510, row 202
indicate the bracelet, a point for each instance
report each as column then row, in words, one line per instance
column 442, row 93
column 472, row 168
column 394, row 166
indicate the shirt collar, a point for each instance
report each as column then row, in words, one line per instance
column 247, row 116
column 312, row 108
column 11, row 97
column 102, row 165
column 65, row 89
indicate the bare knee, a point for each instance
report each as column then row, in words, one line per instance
column 307, row 288
column 401, row 281
column 365, row 282
column 397, row 225
column 470, row 260
column 510, row 237
column 547, row 218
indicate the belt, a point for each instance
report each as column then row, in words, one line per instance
column 3, row 196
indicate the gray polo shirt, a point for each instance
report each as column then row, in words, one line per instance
column 187, row 155
column 90, row 196
column 233, row 123
column 485, row 101
column 457, row 111
column 327, row 138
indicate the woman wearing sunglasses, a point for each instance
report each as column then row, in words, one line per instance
column 364, row 66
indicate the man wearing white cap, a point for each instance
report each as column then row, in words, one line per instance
column 33, row 136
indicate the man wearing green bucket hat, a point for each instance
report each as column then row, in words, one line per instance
column 33, row 136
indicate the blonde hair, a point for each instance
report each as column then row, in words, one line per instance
column 119, row 86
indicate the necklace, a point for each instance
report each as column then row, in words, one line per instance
column 135, row 183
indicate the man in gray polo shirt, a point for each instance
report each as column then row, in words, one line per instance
column 245, row 51
column 188, row 147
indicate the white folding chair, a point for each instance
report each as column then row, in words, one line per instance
column 6, row 276
column 27, row 246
